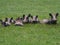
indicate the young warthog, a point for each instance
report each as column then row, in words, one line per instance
column 52, row 20
column 18, row 22
column 26, row 18
column 34, row 19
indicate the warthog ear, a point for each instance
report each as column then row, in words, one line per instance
column 21, row 18
column 11, row 17
column 50, row 14
column 36, row 16
column 6, row 19
column 0, row 20
column 23, row 15
column 57, row 14
column 29, row 15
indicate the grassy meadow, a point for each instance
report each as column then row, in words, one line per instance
column 29, row 34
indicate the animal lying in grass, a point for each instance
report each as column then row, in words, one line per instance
column 34, row 19
column 18, row 22
column 29, row 19
column 2, row 22
column 52, row 20
column 7, row 21
column 12, row 21
column 26, row 18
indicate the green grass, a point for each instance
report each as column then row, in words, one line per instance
column 30, row 34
